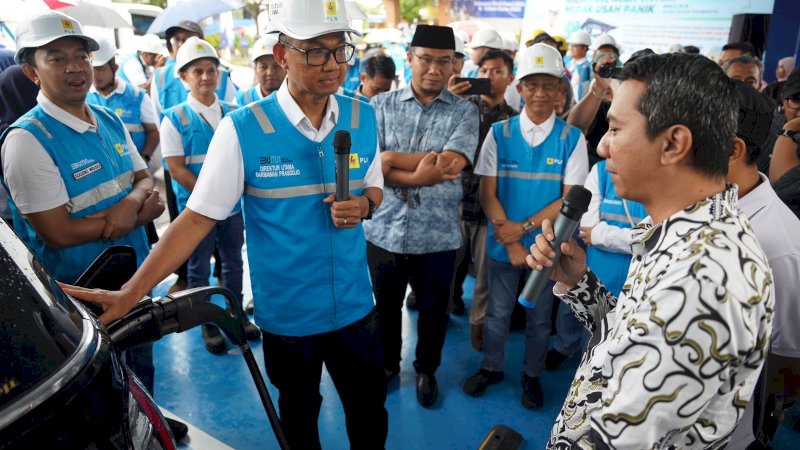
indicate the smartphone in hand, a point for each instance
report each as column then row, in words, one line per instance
column 478, row 86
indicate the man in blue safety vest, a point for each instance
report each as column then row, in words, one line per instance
column 306, row 249
column 187, row 129
column 130, row 103
column 527, row 163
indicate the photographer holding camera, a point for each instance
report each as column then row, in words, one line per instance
column 590, row 113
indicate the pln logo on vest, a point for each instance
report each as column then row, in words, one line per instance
column 354, row 161
column 552, row 161
column 119, row 148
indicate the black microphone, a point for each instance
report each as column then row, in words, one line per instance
column 575, row 203
column 341, row 146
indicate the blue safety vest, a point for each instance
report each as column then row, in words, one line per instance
column 196, row 135
column 128, row 106
column 353, row 77
column 356, row 94
column 171, row 90
column 308, row 277
column 529, row 178
column 97, row 171
column 584, row 72
column 612, row 268
column 135, row 57
column 249, row 95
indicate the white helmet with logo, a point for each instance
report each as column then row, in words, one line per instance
column 307, row 19
column 193, row 49
column 263, row 46
column 43, row 28
column 149, row 43
column 580, row 37
column 486, row 38
column 104, row 54
column 540, row 58
column 460, row 47
column 607, row 40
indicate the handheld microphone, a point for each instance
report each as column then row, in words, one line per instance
column 341, row 146
column 575, row 203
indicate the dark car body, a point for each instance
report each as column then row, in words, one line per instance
column 62, row 384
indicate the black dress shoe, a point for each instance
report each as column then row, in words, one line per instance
column 554, row 359
column 427, row 389
column 215, row 343
column 249, row 308
column 252, row 332
column 178, row 429
column 532, row 396
column 476, row 384
column 411, row 300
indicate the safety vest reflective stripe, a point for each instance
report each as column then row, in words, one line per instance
column 183, row 116
column 506, row 129
column 261, row 117
column 529, row 176
column 161, row 78
column 617, row 217
column 194, row 159
column 101, row 192
column 300, row 191
column 39, row 124
column 565, row 132
column 247, row 98
column 134, row 127
column 354, row 117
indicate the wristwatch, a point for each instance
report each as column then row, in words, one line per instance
column 528, row 227
column 791, row 134
column 370, row 209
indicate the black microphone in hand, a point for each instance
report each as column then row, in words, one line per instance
column 575, row 203
column 341, row 146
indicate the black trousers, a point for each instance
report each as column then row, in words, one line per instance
column 172, row 208
column 354, row 359
column 431, row 277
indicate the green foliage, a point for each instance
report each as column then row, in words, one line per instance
column 213, row 39
column 409, row 9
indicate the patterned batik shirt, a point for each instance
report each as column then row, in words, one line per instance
column 673, row 362
column 419, row 220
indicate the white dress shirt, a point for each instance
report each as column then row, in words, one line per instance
column 33, row 179
column 577, row 165
column 221, row 182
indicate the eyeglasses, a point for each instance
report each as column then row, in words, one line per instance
column 533, row 86
column 316, row 57
column 427, row 60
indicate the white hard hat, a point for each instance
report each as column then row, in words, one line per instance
column 307, row 19
column 193, row 49
column 510, row 45
column 149, row 43
column 540, row 58
column 606, row 40
column 461, row 34
column 580, row 37
column 263, row 46
column 460, row 47
column 486, row 38
column 43, row 28
column 104, row 54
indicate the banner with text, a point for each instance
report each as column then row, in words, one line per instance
column 638, row 24
column 503, row 9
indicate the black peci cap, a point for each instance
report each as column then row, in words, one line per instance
column 434, row 36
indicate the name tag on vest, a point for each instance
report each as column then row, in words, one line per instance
column 87, row 171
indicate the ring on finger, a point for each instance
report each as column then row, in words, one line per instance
column 345, row 220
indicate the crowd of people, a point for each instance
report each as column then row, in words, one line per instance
column 677, row 289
